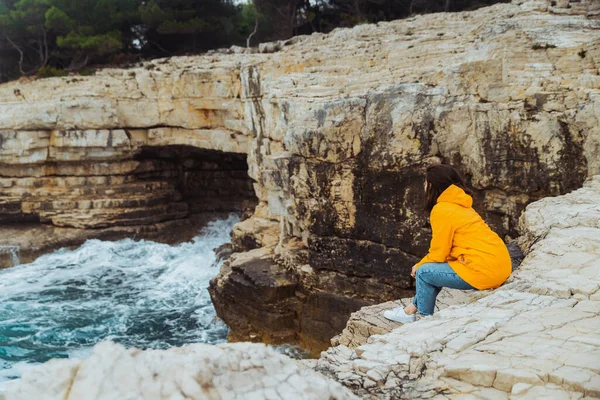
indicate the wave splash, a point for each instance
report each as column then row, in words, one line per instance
column 137, row 293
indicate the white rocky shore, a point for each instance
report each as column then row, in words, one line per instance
column 196, row 372
column 537, row 337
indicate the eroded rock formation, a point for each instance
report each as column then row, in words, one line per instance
column 101, row 157
column 335, row 129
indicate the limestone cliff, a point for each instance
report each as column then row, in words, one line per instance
column 331, row 132
column 348, row 121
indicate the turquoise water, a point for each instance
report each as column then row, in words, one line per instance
column 138, row 293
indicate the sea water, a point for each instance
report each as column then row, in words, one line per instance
column 138, row 293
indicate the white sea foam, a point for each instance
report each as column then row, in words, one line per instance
column 138, row 293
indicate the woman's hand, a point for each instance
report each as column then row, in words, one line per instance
column 413, row 272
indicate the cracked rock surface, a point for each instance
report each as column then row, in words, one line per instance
column 536, row 337
column 195, row 372
column 369, row 321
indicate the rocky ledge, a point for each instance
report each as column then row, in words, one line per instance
column 536, row 337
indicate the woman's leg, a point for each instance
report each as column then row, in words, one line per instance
column 431, row 278
column 412, row 308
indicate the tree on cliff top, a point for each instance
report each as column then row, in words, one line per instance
column 176, row 26
column 88, row 29
column 49, row 36
column 290, row 17
column 53, row 36
column 22, row 27
column 69, row 33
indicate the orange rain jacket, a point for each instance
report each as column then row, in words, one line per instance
column 466, row 242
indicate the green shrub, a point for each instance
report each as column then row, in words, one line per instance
column 48, row 72
column 87, row 71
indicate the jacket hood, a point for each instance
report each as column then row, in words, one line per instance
column 454, row 194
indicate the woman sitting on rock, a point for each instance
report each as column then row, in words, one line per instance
column 464, row 252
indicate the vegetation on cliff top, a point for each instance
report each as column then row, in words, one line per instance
column 54, row 37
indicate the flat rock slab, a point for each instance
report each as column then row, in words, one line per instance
column 536, row 337
column 369, row 321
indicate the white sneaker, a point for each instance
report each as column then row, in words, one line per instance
column 398, row 315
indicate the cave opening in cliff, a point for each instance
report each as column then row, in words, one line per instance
column 203, row 180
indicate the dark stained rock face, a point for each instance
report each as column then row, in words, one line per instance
column 257, row 296
column 342, row 177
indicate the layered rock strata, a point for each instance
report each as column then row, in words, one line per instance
column 195, row 372
column 336, row 130
column 70, row 184
column 538, row 336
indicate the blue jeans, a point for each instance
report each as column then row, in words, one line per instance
column 431, row 278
